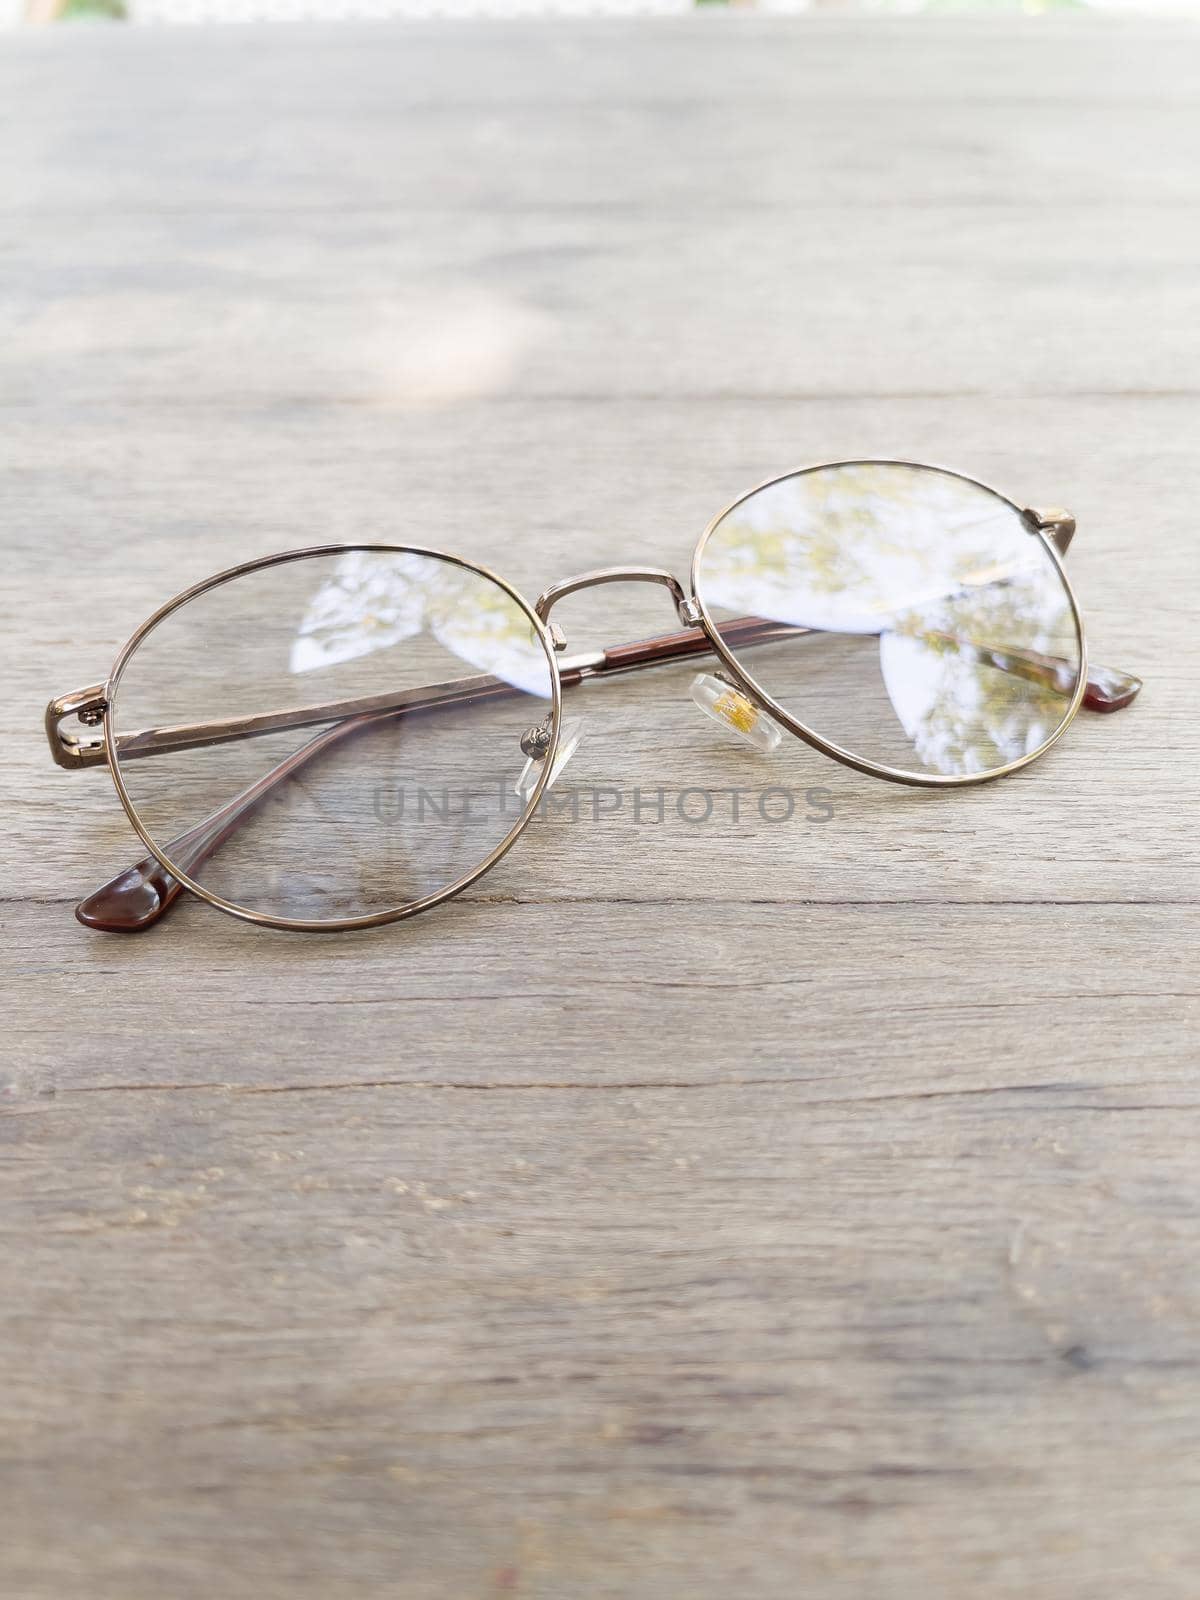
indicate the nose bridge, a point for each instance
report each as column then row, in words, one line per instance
column 587, row 580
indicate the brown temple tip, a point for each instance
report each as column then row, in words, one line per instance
column 135, row 899
column 1108, row 690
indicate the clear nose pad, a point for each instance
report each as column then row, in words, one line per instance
column 725, row 703
column 569, row 736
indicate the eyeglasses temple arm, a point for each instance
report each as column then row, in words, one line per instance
column 89, row 706
column 139, row 896
column 1107, row 689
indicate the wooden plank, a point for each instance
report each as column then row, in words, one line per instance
column 690, row 1209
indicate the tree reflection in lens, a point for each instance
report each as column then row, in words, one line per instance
column 373, row 600
column 947, row 574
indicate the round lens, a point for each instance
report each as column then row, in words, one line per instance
column 908, row 618
column 333, row 735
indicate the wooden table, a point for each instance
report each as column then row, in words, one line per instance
column 733, row 1210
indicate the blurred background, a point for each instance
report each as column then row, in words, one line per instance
column 15, row 13
column 691, row 1211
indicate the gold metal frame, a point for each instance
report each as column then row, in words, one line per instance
column 94, row 707
column 1045, row 525
column 338, row 924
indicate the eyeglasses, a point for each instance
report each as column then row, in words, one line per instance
column 295, row 742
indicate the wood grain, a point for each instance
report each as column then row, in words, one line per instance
column 748, row 1208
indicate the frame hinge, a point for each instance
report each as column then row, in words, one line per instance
column 88, row 707
column 1059, row 524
